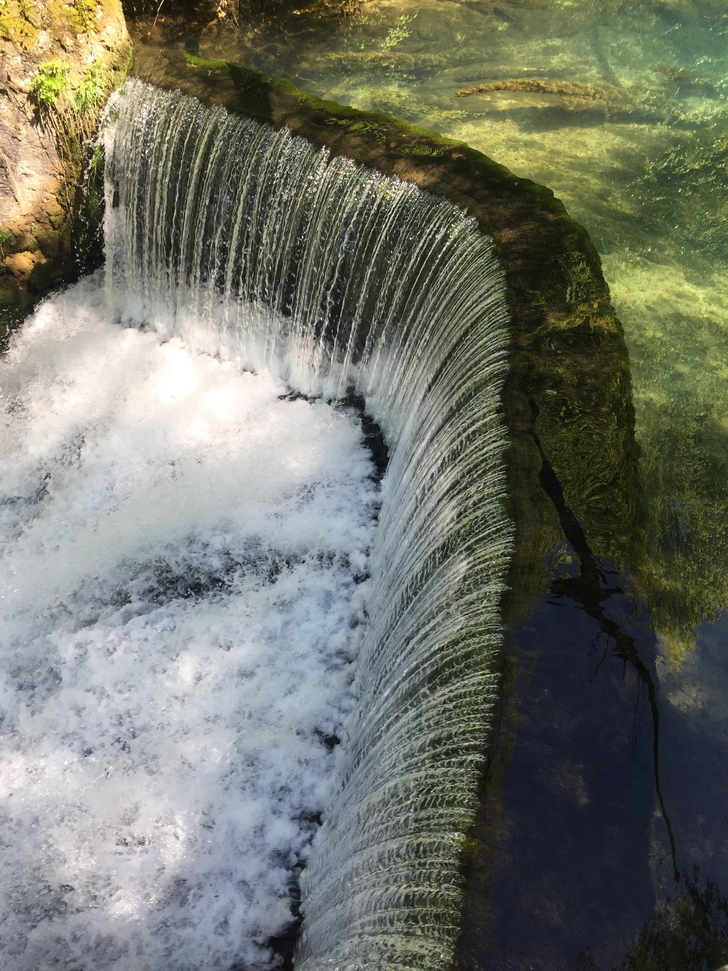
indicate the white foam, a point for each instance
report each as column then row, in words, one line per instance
column 178, row 552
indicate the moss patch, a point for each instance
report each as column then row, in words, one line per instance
column 18, row 23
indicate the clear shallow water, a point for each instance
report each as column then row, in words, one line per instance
column 180, row 604
column 642, row 164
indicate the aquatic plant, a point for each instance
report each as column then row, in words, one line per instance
column 576, row 95
column 5, row 237
column 49, row 83
column 399, row 31
column 679, row 81
column 685, row 185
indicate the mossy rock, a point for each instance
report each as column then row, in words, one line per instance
column 15, row 304
column 569, row 387
column 66, row 59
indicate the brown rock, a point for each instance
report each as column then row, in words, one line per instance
column 41, row 148
column 21, row 265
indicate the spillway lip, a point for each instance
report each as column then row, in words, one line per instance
column 569, row 382
column 566, row 354
column 257, row 247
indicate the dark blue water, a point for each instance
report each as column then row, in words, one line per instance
column 590, row 830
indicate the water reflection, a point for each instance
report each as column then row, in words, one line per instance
column 689, row 932
column 603, row 838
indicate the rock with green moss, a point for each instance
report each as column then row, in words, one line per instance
column 61, row 58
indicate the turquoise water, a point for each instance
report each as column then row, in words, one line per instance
column 625, row 117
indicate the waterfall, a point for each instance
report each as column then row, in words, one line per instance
column 254, row 246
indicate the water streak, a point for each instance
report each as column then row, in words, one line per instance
column 251, row 244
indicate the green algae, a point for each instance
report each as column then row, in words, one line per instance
column 418, row 149
column 210, row 65
column 83, row 14
column 18, row 25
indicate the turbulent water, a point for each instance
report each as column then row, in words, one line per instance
column 179, row 613
column 187, row 546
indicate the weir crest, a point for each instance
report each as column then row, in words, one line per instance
column 251, row 244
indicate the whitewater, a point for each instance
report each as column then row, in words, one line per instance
column 183, row 562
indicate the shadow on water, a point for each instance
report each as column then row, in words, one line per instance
column 580, row 859
column 690, row 931
column 590, row 591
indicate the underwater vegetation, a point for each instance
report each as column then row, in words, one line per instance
column 685, row 185
column 684, row 471
column 575, row 94
column 678, row 82
column 678, row 336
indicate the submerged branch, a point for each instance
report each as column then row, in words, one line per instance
column 587, row 590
